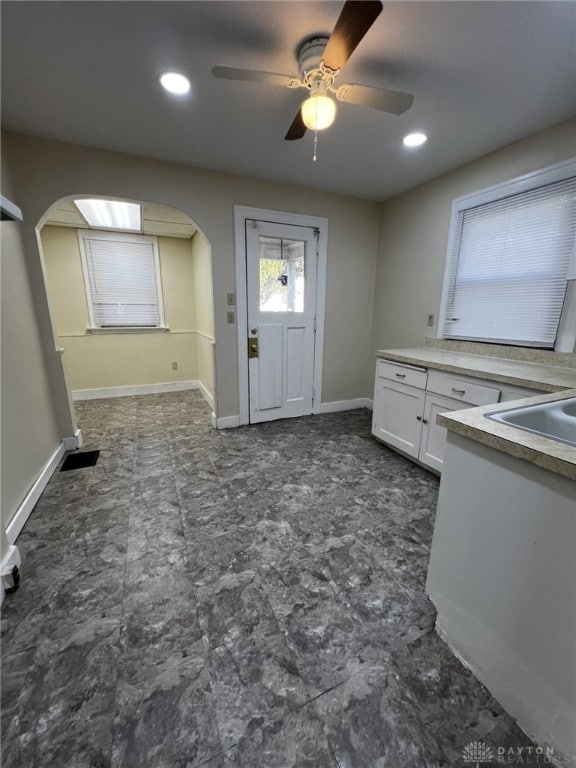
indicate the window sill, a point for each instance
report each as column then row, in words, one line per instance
column 128, row 329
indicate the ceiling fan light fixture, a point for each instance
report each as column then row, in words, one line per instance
column 414, row 139
column 175, row 83
column 318, row 112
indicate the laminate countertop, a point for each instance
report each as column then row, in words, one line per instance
column 558, row 382
column 545, row 378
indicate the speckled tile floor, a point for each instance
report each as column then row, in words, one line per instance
column 251, row 598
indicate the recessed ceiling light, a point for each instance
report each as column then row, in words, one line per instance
column 175, row 83
column 415, row 139
column 111, row 214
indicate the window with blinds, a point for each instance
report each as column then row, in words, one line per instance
column 509, row 262
column 122, row 277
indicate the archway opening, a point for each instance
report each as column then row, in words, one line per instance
column 131, row 303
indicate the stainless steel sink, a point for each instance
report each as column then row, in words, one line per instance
column 556, row 419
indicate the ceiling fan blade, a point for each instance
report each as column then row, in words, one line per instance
column 297, row 129
column 356, row 18
column 255, row 76
column 395, row 102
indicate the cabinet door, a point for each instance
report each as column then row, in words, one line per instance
column 433, row 436
column 397, row 418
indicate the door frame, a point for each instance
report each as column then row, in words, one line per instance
column 241, row 214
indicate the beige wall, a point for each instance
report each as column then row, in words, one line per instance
column 414, row 234
column 30, row 432
column 410, row 254
column 204, row 311
column 121, row 359
column 45, row 171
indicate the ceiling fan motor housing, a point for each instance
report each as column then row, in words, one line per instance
column 309, row 59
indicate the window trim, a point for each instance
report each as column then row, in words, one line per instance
column 566, row 334
column 97, row 234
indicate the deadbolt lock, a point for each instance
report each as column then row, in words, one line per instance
column 252, row 348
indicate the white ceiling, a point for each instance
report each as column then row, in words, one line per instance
column 483, row 75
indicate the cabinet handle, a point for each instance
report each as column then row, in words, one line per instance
column 424, row 421
column 419, row 418
column 459, row 391
column 400, row 375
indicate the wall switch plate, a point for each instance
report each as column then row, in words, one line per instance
column 430, row 320
column 231, row 299
column 230, row 319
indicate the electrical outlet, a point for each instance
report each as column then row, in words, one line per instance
column 230, row 319
column 430, row 320
column 174, row 366
column 231, row 299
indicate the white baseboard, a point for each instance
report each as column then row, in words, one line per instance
column 73, row 443
column 529, row 699
column 206, row 395
column 225, row 422
column 345, row 405
column 137, row 389
column 140, row 389
column 10, row 559
column 23, row 512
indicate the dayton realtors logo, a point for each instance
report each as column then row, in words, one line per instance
column 477, row 752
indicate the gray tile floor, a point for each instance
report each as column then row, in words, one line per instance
column 251, row 598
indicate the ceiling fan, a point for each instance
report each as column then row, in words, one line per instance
column 319, row 62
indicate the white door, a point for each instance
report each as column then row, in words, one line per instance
column 281, row 275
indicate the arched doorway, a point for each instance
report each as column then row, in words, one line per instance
column 131, row 303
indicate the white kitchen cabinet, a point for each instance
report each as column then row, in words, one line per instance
column 407, row 400
column 501, row 577
column 405, row 418
column 461, row 389
column 509, row 392
column 397, row 415
column 433, row 438
column 402, row 374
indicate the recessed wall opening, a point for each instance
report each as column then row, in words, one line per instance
column 129, row 285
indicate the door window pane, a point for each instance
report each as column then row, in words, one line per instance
column 281, row 275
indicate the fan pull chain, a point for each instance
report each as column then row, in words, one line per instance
column 314, row 157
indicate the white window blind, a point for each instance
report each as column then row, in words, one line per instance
column 122, row 280
column 508, row 267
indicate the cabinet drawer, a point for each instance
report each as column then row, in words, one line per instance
column 405, row 374
column 511, row 392
column 471, row 394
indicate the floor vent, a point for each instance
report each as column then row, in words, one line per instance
column 80, row 460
